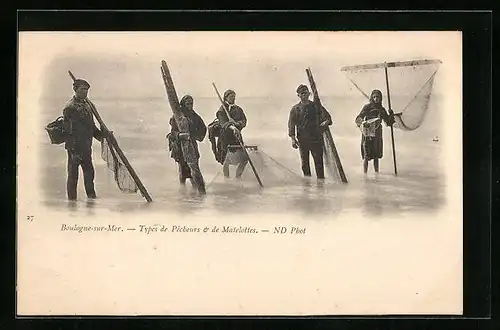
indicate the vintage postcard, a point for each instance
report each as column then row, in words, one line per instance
column 239, row 173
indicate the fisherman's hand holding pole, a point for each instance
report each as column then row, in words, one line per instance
column 105, row 133
column 391, row 117
column 236, row 131
column 184, row 136
column 324, row 124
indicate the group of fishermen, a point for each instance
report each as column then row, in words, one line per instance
column 306, row 125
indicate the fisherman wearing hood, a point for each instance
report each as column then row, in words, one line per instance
column 369, row 120
column 305, row 127
column 230, row 134
column 81, row 129
column 184, row 146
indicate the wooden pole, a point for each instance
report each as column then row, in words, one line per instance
column 241, row 143
column 115, row 145
column 392, row 129
column 327, row 132
column 181, row 120
column 172, row 97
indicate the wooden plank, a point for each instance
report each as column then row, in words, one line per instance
column 392, row 128
column 389, row 64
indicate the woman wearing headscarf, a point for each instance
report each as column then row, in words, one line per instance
column 184, row 146
column 230, row 134
column 369, row 120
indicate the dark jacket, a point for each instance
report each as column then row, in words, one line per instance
column 305, row 120
column 373, row 147
column 372, row 110
column 236, row 113
column 227, row 136
column 79, row 125
column 197, row 132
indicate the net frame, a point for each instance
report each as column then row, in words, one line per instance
column 386, row 66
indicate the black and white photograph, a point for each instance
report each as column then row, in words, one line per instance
column 240, row 173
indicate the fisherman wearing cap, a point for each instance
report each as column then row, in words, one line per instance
column 305, row 128
column 80, row 127
column 231, row 134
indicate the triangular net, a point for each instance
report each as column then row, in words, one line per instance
column 271, row 172
column 122, row 176
column 331, row 169
column 410, row 87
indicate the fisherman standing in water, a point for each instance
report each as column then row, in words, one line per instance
column 309, row 124
column 230, row 135
column 369, row 120
column 184, row 146
column 80, row 129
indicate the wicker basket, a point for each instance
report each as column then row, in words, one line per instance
column 370, row 126
column 56, row 131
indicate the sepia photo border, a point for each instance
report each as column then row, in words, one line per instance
column 477, row 124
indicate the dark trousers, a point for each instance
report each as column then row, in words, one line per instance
column 83, row 159
column 307, row 146
column 184, row 171
column 192, row 171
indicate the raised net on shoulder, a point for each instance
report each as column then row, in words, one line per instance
column 410, row 87
column 122, row 176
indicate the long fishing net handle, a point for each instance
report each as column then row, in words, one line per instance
column 317, row 100
column 239, row 137
column 226, row 110
column 313, row 88
column 172, row 95
column 111, row 138
column 92, row 107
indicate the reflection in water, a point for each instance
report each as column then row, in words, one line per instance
column 72, row 206
column 374, row 196
column 91, row 204
column 371, row 202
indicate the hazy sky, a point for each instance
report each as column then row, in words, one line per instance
column 127, row 64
